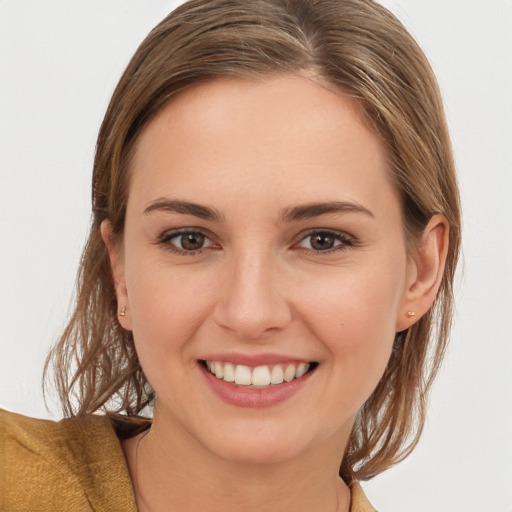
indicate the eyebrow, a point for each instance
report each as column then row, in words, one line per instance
column 295, row 213
column 309, row 211
column 184, row 207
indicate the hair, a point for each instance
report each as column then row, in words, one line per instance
column 362, row 50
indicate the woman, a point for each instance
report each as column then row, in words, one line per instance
column 275, row 233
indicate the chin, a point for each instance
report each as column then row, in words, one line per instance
column 265, row 443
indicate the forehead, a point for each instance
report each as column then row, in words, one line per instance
column 281, row 136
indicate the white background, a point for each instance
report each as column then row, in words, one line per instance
column 59, row 63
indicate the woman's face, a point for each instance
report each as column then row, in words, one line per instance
column 263, row 238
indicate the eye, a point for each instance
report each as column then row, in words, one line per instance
column 186, row 241
column 326, row 241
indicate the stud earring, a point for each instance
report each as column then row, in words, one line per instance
column 411, row 314
column 122, row 312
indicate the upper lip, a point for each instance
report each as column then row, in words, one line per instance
column 253, row 359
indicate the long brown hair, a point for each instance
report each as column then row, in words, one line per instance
column 361, row 49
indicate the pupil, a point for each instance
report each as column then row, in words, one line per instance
column 322, row 242
column 192, row 241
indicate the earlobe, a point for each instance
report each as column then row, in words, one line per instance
column 117, row 266
column 425, row 272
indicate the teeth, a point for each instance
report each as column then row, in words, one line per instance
column 229, row 372
column 243, row 375
column 289, row 373
column 301, row 370
column 276, row 377
column 260, row 376
column 219, row 370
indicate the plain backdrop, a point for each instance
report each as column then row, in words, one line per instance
column 59, row 63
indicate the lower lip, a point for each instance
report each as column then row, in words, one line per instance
column 253, row 397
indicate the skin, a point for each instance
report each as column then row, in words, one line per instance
column 252, row 152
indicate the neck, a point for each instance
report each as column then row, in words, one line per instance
column 172, row 471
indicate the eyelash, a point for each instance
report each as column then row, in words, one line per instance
column 344, row 241
column 166, row 238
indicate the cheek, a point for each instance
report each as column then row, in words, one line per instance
column 166, row 312
column 354, row 301
column 354, row 317
column 166, row 304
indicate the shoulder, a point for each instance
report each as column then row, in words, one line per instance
column 73, row 464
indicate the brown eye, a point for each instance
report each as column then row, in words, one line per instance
column 325, row 241
column 322, row 241
column 186, row 242
column 191, row 241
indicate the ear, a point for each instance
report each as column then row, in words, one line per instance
column 425, row 272
column 116, row 256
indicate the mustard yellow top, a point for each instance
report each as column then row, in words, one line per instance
column 76, row 464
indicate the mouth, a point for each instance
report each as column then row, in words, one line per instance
column 258, row 377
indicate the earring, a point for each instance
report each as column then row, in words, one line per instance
column 411, row 314
column 122, row 312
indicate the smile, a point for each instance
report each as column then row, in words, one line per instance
column 259, row 377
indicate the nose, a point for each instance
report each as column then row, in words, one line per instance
column 251, row 304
